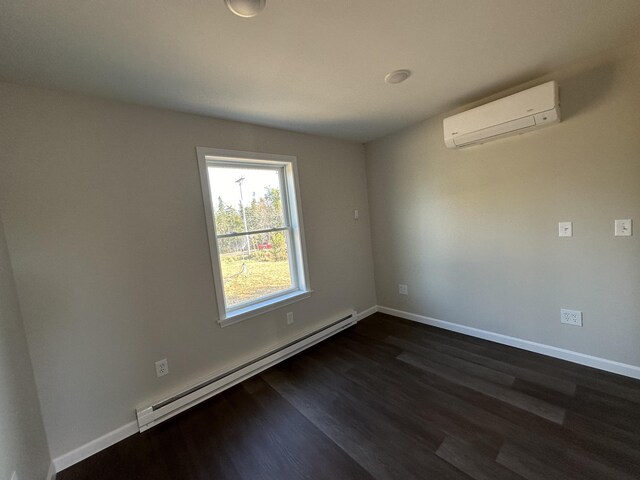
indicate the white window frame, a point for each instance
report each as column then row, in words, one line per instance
column 290, row 194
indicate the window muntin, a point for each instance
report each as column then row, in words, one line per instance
column 254, row 231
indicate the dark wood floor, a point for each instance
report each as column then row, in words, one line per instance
column 391, row 399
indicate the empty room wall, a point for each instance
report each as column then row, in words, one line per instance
column 23, row 445
column 105, row 226
column 474, row 232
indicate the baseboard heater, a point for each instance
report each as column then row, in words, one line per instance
column 167, row 408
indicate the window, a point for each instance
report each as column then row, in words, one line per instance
column 255, row 231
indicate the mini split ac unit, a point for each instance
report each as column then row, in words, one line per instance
column 534, row 108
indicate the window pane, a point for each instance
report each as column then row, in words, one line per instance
column 246, row 199
column 254, row 266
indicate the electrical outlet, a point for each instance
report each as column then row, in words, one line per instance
column 403, row 289
column 162, row 367
column 289, row 318
column 571, row 317
column 356, row 214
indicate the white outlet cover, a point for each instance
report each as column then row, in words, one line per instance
column 565, row 229
column 571, row 317
column 623, row 228
column 403, row 289
column 162, row 367
column 289, row 318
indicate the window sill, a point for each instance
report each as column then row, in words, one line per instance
column 263, row 307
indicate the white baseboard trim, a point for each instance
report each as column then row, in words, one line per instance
column 367, row 312
column 612, row 366
column 94, row 446
column 51, row 474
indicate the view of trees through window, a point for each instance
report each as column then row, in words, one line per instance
column 251, row 231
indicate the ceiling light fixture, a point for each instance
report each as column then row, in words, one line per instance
column 245, row 8
column 397, row 76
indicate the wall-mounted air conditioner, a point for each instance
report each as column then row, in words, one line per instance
column 518, row 113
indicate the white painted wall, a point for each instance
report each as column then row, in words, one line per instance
column 474, row 232
column 23, row 445
column 105, row 225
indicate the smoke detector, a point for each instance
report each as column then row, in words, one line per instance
column 397, row 76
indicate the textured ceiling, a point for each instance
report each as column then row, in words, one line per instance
column 314, row 66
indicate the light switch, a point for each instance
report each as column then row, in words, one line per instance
column 565, row 229
column 623, row 228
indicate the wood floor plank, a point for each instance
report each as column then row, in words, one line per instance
column 546, row 381
column 545, row 394
column 582, row 465
column 578, row 422
column 527, row 466
column 517, row 399
column 591, row 435
column 472, row 463
column 456, row 362
column 296, row 441
column 608, row 409
column 209, row 453
column 431, row 413
column 485, row 420
column 388, row 409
